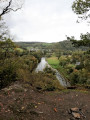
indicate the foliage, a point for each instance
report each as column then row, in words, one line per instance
column 79, row 77
column 8, row 68
column 63, row 61
column 82, row 7
column 44, row 81
column 84, row 40
column 49, row 70
column 63, row 47
column 76, row 68
column 6, row 48
column 16, row 68
column 37, row 54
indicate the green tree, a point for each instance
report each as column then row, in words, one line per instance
column 7, row 47
column 6, row 44
column 82, row 7
column 84, row 40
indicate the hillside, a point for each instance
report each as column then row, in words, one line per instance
column 21, row 102
column 64, row 45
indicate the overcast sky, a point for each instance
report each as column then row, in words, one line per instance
column 45, row 21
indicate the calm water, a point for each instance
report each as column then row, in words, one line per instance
column 41, row 67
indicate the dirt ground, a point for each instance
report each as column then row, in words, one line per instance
column 21, row 102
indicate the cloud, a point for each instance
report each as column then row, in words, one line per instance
column 45, row 20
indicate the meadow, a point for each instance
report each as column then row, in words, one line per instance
column 53, row 61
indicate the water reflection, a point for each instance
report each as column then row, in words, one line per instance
column 41, row 65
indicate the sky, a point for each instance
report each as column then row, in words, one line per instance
column 45, row 21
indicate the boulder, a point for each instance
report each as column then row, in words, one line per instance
column 75, row 109
column 76, row 115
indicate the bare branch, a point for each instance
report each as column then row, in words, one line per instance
column 5, row 10
column 8, row 8
column 13, row 9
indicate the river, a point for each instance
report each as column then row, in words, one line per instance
column 41, row 66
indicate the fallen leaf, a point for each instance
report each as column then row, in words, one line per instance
column 55, row 109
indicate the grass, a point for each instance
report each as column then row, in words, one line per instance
column 54, row 62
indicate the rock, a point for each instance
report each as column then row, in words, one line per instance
column 69, row 111
column 76, row 115
column 74, row 109
column 40, row 112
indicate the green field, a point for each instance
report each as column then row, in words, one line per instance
column 19, row 49
column 53, row 61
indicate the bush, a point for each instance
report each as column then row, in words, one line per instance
column 42, row 81
column 49, row 70
column 74, row 78
column 79, row 77
column 78, row 67
column 17, row 68
column 8, row 70
column 69, row 68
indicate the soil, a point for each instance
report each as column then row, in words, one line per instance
column 22, row 102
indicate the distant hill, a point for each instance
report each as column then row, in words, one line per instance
column 63, row 45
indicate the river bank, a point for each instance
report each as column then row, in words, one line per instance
column 43, row 64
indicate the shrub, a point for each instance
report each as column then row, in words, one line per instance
column 74, row 78
column 79, row 77
column 17, row 68
column 49, row 70
column 78, row 67
column 43, row 81
column 8, row 70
